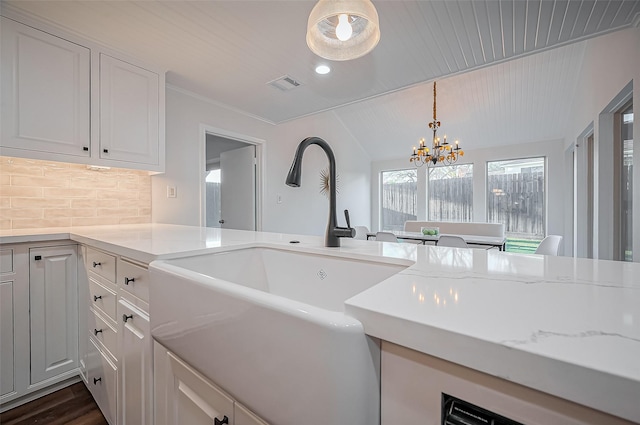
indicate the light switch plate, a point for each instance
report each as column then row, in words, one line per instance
column 171, row 192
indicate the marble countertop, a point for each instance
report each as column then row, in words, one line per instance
column 568, row 327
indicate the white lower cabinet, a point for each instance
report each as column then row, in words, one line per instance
column 414, row 385
column 38, row 320
column 53, row 291
column 136, row 367
column 184, row 396
column 117, row 325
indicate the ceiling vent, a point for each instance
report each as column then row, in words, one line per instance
column 284, row 83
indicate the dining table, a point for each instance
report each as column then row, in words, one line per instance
column 489, row 241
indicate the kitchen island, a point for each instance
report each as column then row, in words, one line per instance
column 562, row 326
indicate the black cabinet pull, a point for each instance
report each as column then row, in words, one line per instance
column 105, row 150
column 126, row 317
column 96, row 380
column 128, row 280
column 96, row 264
column 38, row 257
column 224, row 420
column 96, row 298
column 97, row 331
column 85, row 148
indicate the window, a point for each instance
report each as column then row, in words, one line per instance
column 516, row 198
column 399, row 198
column 450, row 196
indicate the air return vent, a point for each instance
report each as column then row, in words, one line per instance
column 284, row 83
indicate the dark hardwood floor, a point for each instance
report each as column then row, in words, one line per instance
column 69, row 406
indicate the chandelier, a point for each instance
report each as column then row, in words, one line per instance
column 441, row 150
column 342, row 30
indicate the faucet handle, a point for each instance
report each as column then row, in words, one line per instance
column 346, row 216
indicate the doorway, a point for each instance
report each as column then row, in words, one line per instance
column 583, row 200
column 232, row 180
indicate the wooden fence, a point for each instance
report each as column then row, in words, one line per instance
column 451, row 199
column 398, row 204
column 517, row 200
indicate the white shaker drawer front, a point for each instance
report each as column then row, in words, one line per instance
column 102, row 264
column 103, row 380
column 103, row 332
column 102, row 298
column 134, row 279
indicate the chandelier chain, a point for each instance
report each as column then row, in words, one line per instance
column 434, row 100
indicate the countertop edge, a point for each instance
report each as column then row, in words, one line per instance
column 576, row 384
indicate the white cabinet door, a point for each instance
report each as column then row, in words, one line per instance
column 6, row 338
column 54, row 311
column 129, row 112
column 135, row 397
column 45, row 92
column 191, row 399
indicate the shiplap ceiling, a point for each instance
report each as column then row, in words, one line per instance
column 228, row 51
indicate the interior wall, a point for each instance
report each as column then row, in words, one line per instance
column 610, row 63
column 184, row 115
column 303, row 210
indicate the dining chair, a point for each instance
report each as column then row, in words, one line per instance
column 386, row 237
column 549, row 245
column 361, row 232
column 452, row 241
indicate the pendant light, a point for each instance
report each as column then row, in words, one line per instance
column 342, row 30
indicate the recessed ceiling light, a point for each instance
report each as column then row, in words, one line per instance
column 323, row 69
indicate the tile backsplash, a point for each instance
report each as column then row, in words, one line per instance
column 36, row 193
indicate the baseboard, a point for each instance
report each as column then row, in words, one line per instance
column 36, row 394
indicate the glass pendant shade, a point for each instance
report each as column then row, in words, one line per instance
column 325, row 17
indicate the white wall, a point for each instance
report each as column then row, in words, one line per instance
column 303, row 210
column 479, row 157
column 184, row 115
column 610, row 63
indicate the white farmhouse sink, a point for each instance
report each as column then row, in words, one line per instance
column 267, row 325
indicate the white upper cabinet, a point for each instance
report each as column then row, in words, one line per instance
column 45, row 92
column 129, row 112
column 71, row 100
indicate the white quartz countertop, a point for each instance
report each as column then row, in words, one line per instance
column 568, row 327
